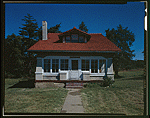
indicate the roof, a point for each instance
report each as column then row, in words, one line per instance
column 72, row 30
column 96, row 43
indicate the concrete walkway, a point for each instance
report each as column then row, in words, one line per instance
column 73, row 102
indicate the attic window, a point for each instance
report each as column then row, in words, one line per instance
column 74, row 37
column 81, row 39
column 67, row 39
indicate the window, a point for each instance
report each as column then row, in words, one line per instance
column 67, row 39
column 74, row 37
column 55, row 65
column 47, row 65
column 94, row 66
column 81, row 39
column 102, row 66
column 85, row 65
column 64, row 64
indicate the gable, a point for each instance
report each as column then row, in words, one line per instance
column 74, row 36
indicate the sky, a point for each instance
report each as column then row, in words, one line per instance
column 97, row 18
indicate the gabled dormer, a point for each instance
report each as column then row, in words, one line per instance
column 74, row 36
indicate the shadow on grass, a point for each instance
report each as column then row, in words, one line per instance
column 24, row 84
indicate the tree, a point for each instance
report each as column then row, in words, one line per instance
column 29, row 34
column 54, row 29
column 123, row 38
column 13, row 58
column 83, row 27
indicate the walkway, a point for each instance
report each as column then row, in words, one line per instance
column 73, row 102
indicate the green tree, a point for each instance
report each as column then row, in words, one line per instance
column 54, row 29
column 29, row 34
column 13, row 58
column 83, row 27
column 39, row 33
column 123, row 38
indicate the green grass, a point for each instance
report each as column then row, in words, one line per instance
column 32, row 100
column 125, row 96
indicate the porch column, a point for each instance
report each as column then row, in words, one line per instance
column 106, row 68
column 39, row 69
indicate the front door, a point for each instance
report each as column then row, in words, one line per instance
column 74, row 75
column 74, row 64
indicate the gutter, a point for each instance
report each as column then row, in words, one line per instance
column 72, row 51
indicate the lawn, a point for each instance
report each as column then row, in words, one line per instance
column 22, row 97
column 125, row 96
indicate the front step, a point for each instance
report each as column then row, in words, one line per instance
column 74, row 85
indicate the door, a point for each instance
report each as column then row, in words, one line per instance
column 74, row 64
column 74, row 75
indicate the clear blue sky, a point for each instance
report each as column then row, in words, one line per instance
column 97, row 18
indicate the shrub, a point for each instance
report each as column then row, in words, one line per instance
column 107, row 81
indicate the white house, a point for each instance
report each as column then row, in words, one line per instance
column 73, row 55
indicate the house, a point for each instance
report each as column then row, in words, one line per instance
column 73, row 56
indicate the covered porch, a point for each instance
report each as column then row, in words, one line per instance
column 73, row 68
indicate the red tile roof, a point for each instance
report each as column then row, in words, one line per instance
column 74, row 28
column 97, row 42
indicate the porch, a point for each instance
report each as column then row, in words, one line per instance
column 70, row 68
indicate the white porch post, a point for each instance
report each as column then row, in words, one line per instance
column 90, row 65
column 51, row 66
column 39, row 69
column 106, row 68
column 59, row 66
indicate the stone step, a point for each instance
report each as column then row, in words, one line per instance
column 74, row 85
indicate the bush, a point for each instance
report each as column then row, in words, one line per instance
column 107, row 81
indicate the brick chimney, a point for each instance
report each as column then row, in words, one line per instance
column 44, row 30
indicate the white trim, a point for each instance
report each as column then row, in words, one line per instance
column 90, row 66
column 92, row 57
column 70, row 64
column 50, row 74
column 59, row 65
column 57, row 57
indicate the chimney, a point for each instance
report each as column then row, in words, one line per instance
column 44, row 30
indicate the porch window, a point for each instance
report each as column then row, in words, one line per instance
column 55, row 65
column 85, row 65
column 47, row 65
column 64, row 64
column 102, row 66
column 94, row 66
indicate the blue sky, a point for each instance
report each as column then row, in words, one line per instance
column 97, row 18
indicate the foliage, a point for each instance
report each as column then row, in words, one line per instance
column 123, row 38
column 13, row 58
column 54, row 29
column 18, row 61
column 83, row 27
column 107, row 81
column 29, row 37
